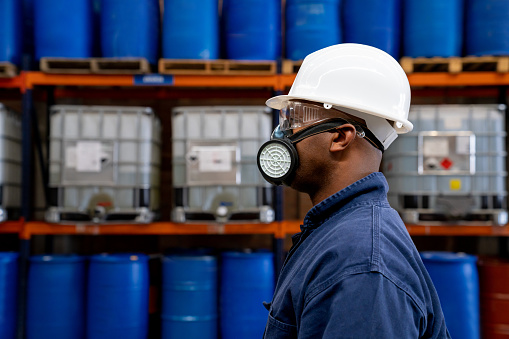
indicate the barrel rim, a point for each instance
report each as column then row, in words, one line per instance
column 119, row 257
column 247, row 255
column 57, row 258
column 445, row 257
column 189, row 257
column 8, row 256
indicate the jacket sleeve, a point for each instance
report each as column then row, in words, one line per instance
column 365, row 305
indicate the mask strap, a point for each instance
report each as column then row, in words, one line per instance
column 316, row 129
column 331, row 125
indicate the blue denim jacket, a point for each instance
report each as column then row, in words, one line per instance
column 354, row 272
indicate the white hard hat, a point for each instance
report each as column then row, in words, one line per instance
column 360, row 80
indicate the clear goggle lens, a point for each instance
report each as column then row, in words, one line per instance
column 299, row 114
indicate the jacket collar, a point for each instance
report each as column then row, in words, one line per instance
column 372, row 187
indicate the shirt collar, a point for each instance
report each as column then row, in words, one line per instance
column 372, row 187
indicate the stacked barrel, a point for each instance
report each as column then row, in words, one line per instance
column 107, row 295
column 253, row 30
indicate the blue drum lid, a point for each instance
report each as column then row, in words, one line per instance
column 119, row 257
column 246, row 255
column 446, row 257
column 8, row 256
column 57, row 258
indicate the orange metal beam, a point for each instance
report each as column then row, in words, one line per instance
column 460, row 79
column 278, row 229
column 16, row 82
column 285, row 81
column 40, row 78
column 278, row 82
column 11, row 226
column 157, row 228
column 433, row 79
column 196, row 81
column 458, row 230
column 293, row 226
column 247, row 81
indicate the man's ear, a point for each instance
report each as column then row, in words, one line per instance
column 342, row 137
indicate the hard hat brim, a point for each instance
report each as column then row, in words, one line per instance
column 281, row 101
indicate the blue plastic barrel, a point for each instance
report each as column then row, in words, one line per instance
column 56, row 297
column 118, row 296
column 311, row 25
column 247, row 280
column 487, row 27
column 10, row 32
column 8, row 294
column 63, row 28
column 432, row 28
column 189, row 300
column 191, row 29
column 457, row 283
column 130, row 28
column 252, row 29
column 375, row 23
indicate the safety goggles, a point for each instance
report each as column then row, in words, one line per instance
column 315, row 118
column 301, row 114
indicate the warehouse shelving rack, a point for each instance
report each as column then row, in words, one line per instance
column 27, row 81
column 278, row 229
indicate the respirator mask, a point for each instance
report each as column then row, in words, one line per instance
column 278, row 158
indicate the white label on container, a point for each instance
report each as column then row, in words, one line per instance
column 70, row 157
column 88, row 156
column 463, row 145
column 215, row 159
column 453, row 122
column 435, row 147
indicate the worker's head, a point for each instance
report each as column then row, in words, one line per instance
column 355, row 98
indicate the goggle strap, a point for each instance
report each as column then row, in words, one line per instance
column 316, row 129
column 331, row 125
column 370, row 137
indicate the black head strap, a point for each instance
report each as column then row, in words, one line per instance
column 331, row 125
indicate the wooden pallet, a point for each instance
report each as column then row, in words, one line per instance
column 95, row 65
column 120, row 66
column 7, row 70
column 217, row 67
column 456, row 64
column 478, row 218
column 290, row 66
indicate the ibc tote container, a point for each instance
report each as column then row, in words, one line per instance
column 215, row 176
column 10, row 164
column 104, row 163
column 451, row 166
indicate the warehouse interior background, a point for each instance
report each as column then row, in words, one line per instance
column 128, row 139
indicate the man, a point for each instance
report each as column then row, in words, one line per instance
column 353, row 271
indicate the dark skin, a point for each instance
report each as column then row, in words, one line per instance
column 331, row 161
